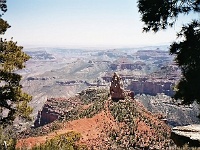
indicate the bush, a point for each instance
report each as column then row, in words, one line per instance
column 6, row 140
column 66, row 141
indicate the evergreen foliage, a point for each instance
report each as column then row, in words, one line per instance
column 7, row 143
column 158, row 15
column 12, row 58
column 3, row 7
column 188, row 59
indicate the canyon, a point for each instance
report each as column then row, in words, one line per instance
column 56, row 76
column 62, row 73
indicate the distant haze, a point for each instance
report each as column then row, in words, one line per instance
column 82, row 23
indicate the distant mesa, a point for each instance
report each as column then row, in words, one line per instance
column 40, row 55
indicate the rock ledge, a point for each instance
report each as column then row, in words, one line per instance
column 189, row 134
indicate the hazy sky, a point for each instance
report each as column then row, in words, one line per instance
column 81, row 23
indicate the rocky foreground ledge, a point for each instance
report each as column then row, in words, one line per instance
column 189, row 134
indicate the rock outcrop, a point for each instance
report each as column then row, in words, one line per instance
column 55, row 108
column 187, row 135
column 116, row 89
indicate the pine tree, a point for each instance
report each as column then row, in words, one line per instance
column 12, row 58
column 160, row 14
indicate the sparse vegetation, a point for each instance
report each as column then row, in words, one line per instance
column 139, row 130
column 95, row 97
column 66, row 141
column 87, row 97
column 186, row 147
column 43, row 130
column 6, row 142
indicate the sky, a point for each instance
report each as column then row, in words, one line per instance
column 82, row 23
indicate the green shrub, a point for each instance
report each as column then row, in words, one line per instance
column 66, row 141
column 6, row 140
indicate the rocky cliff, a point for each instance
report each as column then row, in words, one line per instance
column 174, row 113
column 54, row 109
